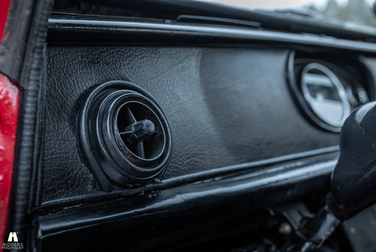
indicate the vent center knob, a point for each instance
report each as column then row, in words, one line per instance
column 140, row 131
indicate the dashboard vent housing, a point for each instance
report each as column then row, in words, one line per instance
column 327, row 88
column 124, row 136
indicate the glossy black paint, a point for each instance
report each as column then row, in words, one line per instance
column 154, row 218
column 353, row 180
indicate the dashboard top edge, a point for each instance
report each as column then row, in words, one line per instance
column 115, row 27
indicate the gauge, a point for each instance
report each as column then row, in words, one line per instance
column 325, row 94
column 327, row 88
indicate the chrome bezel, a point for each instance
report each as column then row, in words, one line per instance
column 338, row 87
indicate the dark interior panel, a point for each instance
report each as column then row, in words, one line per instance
column 163, row 125
column 225, row 106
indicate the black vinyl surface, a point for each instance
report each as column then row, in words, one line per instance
column 225, row 106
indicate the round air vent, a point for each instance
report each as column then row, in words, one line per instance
column 327, row 92
column 125, row 134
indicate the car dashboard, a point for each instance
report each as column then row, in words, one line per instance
column 244, row 115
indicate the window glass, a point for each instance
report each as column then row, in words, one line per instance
column 357, row 12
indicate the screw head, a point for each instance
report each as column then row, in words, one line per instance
column 285, row 229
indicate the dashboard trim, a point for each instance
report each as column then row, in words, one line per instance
column 261, row 168
column 142, row 31
column 200, row 203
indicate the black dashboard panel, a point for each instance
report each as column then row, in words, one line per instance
column 242, row 146
column 226, row 106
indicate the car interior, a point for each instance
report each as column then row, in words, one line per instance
column 161, row 125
